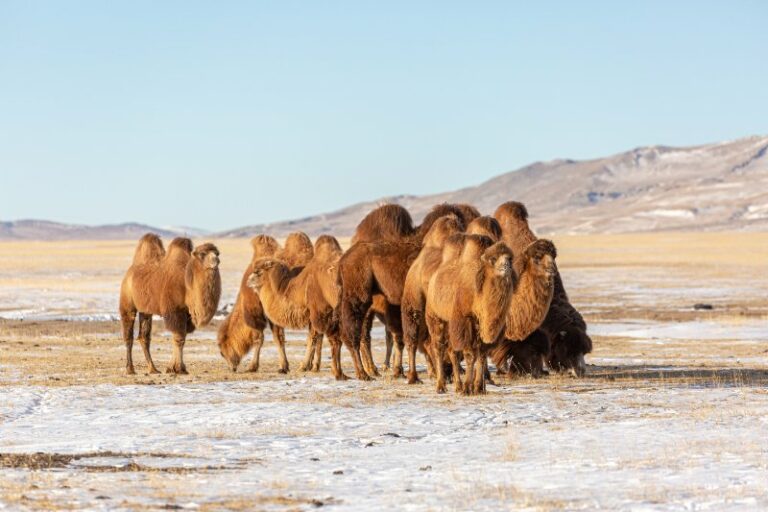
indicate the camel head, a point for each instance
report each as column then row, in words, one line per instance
column 208, row 256
column 539, row 258
column 229, row 352
column 260, row 273
column 567, row 349
column 498, row 258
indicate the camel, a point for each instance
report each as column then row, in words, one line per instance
column 391, row 228
column 183, row 285
column 414, row 297
column 467, row 303
column 563, row 324
column 366, row 270
column 305, row 297
column 244, row 327
column 527, row 357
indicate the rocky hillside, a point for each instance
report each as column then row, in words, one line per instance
column 721, row 186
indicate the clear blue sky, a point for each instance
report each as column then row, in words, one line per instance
column 220, row 114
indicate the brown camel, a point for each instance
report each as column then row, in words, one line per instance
column 244, row 327
column 563, row 324
column 366, row 270
column 414, row 298
column 467, row 303
column 388, row 224
column 183, row 286
column 305, row 297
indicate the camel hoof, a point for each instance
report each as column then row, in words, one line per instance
column 316, row 369
column 364, row 377
column 282, row 370
column 440, row 390
column 304, row 368
column 251, row 369
column 342, row 377
column 414, row 380
column 153, row 371
column 130, row 371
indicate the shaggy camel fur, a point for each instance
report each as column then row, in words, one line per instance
column 298, row 250
column 305, row 297
column 393, row 223
column 485, row 225
column 244, row 327
column 467, row 303
column 527, row 357
column 563, row 324
column 414, row 298
column 366, row 270
column 183, row 286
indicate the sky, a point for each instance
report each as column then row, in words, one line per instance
column 223, row 114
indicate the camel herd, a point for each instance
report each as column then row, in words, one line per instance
column 459, row 288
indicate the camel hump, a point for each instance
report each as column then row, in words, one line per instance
column 540, row 248
column 150, row 249
column 441, row 229
column 327, row 247
column 388, row 221
column 264, row 245
column 511, row 210
column 298, row 250
column 485, row 225
column 180, row 245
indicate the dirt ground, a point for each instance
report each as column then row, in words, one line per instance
column 651, row 426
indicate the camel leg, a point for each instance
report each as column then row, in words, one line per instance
column 278, row 334
column 388, row 356
column 258, row 341
column 470, row 358
column 360, row 372
column 127, row 319
column 398, row 371
column 456, row 370
column 318, row 353
column 413, row 376
column 336, row 359
column 145, row 338
column 437, row 343
column 365, row 346
column 481, row 366
column 487, row 373
column 176, row 365
column 309, row 353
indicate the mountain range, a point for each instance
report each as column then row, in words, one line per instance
column 712, row 187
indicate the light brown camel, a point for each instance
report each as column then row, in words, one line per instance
column 243, row 329
column 563, row 324
column 467, row 303
column 304, row 298
column 414, row 298
column 183, row 286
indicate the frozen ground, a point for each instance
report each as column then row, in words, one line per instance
column 672, row 414
column 299, row 443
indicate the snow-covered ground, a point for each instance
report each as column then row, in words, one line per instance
column 289, row 444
